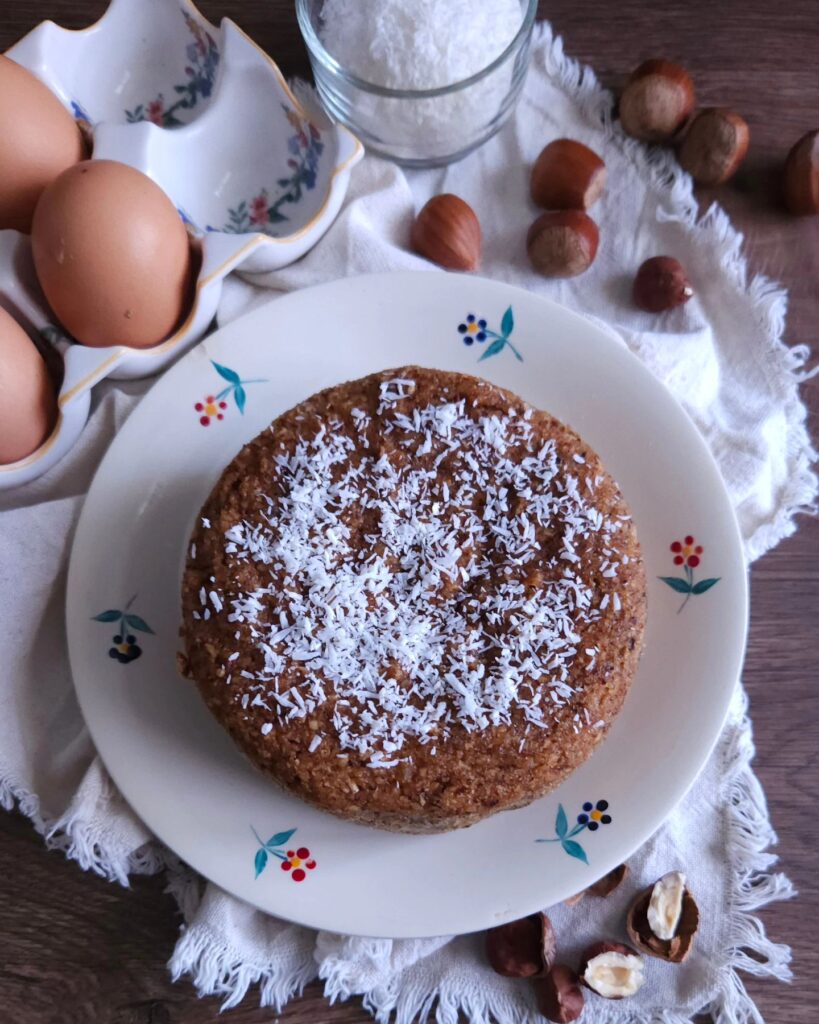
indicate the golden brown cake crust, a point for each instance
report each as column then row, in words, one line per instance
column 524, row 635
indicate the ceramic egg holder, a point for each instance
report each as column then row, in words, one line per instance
column 208, row 116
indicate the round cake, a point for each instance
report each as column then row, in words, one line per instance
column 414, row 600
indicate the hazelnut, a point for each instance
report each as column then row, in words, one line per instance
column 612, row 970
column 663, row 920
column 567, row 176
column 447, row 232
column 714, row 145
column 522, row 949
column 802, row 175
column 559, row 995
column 606, row 885
column 603, row 887
column 657, row 101
column 661, row 284
column 562, row 243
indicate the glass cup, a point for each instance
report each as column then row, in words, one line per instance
column 419, row 127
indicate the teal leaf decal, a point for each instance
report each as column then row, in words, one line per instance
column 496, row 346
column 261, row 860
column 575, row 850
column 280, row 838
column 561, row 823
column 110, row 616
column 137, row 622
column 703, row 585
column 241, row 398
column 508, row 323
column 680, row 585
column 226, row 372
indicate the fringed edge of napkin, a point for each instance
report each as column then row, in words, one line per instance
column 94, row 849
column 767, row 299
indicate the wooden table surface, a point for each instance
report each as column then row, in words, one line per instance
column 76, row 949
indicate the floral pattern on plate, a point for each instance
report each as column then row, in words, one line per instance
column 590, row 818
column 215, row 406
column 203, row 62
column 476, row 329
column 688, row 554
column 124, row 647
column 296, row 861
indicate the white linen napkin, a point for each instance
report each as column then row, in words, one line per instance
column 723, row 358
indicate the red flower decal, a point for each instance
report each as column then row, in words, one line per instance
column 298, row 863
column 258, row 209
column 155, row 111
column 688, row 554
column 211, row 407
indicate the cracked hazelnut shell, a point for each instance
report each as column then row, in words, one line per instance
column 672, row 950
column 559, row 996
column 523, row 948
column 603, row 887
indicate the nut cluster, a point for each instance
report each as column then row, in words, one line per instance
column 661, row 922
column 567, row 178
column 657, row 105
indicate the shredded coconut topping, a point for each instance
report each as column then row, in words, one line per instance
column 426, row 566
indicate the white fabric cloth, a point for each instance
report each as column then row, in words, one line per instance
column 721, row 355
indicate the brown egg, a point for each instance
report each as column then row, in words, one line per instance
column 112, row 255
column 28, row 403
column 38, row 140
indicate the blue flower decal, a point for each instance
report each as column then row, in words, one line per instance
column 124, row 647
column 474, row 329
column 591, row 817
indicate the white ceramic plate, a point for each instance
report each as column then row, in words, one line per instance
column 181, row 773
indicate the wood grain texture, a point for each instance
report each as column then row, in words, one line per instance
column 76, row 949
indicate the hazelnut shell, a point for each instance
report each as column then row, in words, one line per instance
column 447, row 232
column 801, row 182
column 567, row 176
column 603, row 887
column 673, row 950
column 559, row 995
column 661, row 284
column 657, row 101
column 522, row 949
column 562, row 243
column 714, row 145
column 606, row 885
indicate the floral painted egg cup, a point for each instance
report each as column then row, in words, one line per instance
column 269, row 181
column 207, row 115
column 156, row 60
